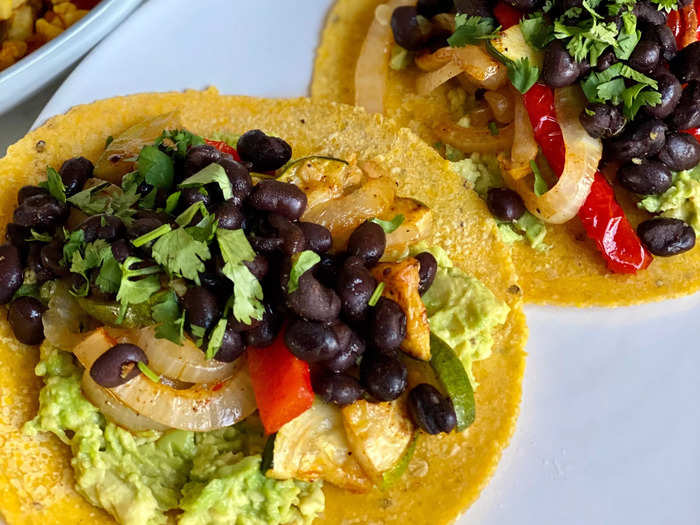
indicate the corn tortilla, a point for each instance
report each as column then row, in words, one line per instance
column 36, row 484
column 572, row 272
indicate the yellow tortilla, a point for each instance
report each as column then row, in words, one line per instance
column 447, row 472
column 572, row 272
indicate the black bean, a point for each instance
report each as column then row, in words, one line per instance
column 427, row 271
column 665, row 237
column 328, row 269
column 602, row 120
column 258, row 266
column 639, row 140
column 647, row 177
column 681, row 152
column 143, row 226
column 671, row 91
column 645, row 56
column 122, row 250
column 35, row 264
column 199, row 157
column 238, row 175
column 367, row 242
column 605, row 60
column 430, row 410
column 24, row 317
column 219, row 285
column 387, row 325
column 505, row 204
column 480, row 8
column 266, row 244
column 527, row 6
column 648, row 12
column 11, row 271
column 51, row 256
column 202, row 307
column 74, row 173
column 107, row 227
column 351, row 346
column 314, row 301
column 40, row 211
column 263, row 333
column 339, row 389
column 292, row 236
column 118, row 365
column 410, row 32
column 190, row 196
column 559, row 69
column 279, row 197
column 318, row 238
column 667, row 42
column 430, row 8
column 17, row 236
column 266, row 153
column 232, row 346
column 229, row 215
column 385, row 377
column 30, row 191
column 687, row 112
column 311, row 341
column 686, row 64
column 355, row 287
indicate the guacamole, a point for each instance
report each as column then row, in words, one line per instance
column 680, row 201
column 212, row 477
column 483, row 173
column 461, row 310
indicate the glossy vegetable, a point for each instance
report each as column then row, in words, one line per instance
column 282, row 384
column 224, row 147
column 451, row 373
column 391, row 476
column 506, row 15
column 474, row 140
column 684, row 24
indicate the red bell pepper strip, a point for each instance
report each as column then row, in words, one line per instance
column 223, row 147
column 507, row 15
column 695, row 132
column 602, row 217
column 684, row 24
column 281, row 382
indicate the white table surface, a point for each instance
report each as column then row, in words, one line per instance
column 609, row 431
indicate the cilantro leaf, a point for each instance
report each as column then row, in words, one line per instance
column 205, row 229
column 541, row 186
column 471, row 29
column 374, row 299
column 247, row 291
column 390, row 226
column 636, row 97
column 213, row 173
column 55, row 185
column 139, row 291
column 156, row 167
column 74, row 241
column 28, row 290
column 40, row 237
column 150, row 374
column 666, row 5
column 107, row 198
column 629, row 36
column 181, row 254
column 109, row 277
column 186, row 216
column 179, row 141
column 522, row 74
column 171, row 318
column 301, row 263
column 152, row 235
column 172, row 202
column 216, row 338
column 198, row 332
column 97, row 254
column 537, row 30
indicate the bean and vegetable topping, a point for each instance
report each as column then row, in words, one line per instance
column 635, row 66
column 201, row 244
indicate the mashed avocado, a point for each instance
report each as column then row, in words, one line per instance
column 461, row 310
column 213, row 477
column 483, row 173
column 680, row 201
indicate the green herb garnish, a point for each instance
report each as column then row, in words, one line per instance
column 390, row 226
column 471, row 29
column 301, row 263
column 376, row 294
column 150, row 374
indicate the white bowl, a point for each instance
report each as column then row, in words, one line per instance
column 26, row 77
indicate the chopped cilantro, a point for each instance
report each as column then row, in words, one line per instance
column 179, row 141
column 109, row 277
column 198, row 332
column 247, row 291
column 301, row 263
column 150, row 374
column 389, row 226
column 629, row 36
column 108, row 141
column 139, row 291
column 213, row 173
column 172, row 202
column 152, row 235
column 538, row 32
column 156, row 167
column 637, row 96
column 74, row 241
column 541, row 186
column 376, row 294
column 609, row 86
column 148, row 201
column 181, row 254
column 216, row 338
column 40, row 237
column 169, row 316
column 28, row 290
column 107, row 198
column 666, row 5
column 493, row 128
column 55, row 185
column 186, row 216
column 471, row 29
column 521, row 73
column 205, row 229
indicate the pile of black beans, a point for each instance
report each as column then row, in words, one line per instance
column 352, row 347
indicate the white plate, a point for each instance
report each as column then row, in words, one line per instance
column 34, row 71
column 609, row 431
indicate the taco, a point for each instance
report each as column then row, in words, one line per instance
column 221, row 324
column 577, row 125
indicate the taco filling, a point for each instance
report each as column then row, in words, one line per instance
column 224, row 328
column 554, row 106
